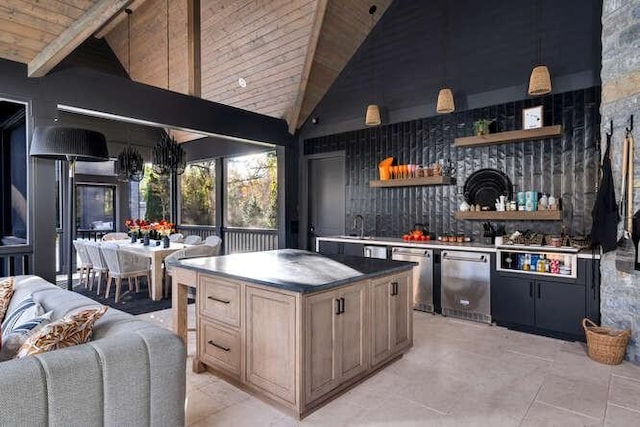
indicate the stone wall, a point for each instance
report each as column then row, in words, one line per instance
column 620, row 292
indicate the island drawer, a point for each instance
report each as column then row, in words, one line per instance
column 220, row 347
column 219, row 300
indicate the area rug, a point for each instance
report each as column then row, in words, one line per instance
column 130, row 302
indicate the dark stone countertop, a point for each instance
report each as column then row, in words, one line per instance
column 293, row 269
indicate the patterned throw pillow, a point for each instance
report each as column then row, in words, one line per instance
column 25, row 310
column 13, row 339
column 6, row 292
column 71, row 330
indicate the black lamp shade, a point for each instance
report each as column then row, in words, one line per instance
column 60, row 143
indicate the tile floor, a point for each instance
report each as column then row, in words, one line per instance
column 458, row 373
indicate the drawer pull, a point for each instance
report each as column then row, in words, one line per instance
column 219, row 300
column 219, row 346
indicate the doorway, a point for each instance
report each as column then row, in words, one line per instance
column 326, row 196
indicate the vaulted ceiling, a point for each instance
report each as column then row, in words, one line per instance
column 273, row 57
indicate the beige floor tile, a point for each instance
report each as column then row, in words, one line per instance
column 587, row 397
column 250, row 413
column 621, row 417
column 397, row 411
column 198, row 406
column 579, row 366
column 627, row 369
column 339, row 412
column 625, row 392
column 540, row 415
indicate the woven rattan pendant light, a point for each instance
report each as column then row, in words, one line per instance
column 540, row 80
column 372, row 117
column 445, row 102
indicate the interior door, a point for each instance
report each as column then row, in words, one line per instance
column 326, row 197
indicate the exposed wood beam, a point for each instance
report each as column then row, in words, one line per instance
column 74, row 35
column 116, row 19
column 193, row 46
column 318, row 19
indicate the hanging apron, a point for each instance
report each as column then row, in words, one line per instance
column 604, row 230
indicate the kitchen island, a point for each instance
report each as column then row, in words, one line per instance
column 293, row 326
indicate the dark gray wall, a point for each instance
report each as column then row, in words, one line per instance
column 564, row 166
column 491, row 47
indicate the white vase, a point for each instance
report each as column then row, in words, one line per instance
column 464, row 207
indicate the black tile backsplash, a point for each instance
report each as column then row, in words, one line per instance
column 563, row 166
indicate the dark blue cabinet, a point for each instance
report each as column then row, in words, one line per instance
column 512, row 300
column 340, row 248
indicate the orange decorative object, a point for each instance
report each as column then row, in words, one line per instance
column 385, row 172
column 387, row 162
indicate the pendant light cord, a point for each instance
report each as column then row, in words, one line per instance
column 539, row 29
column 372, row 11
column 128, row 12
column 168, row 67
column 443, row 43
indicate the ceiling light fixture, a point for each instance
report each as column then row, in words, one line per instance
column 242, row 82
column 130, row 163
column 445, row 102
column 168, row 157
column 540, row 80
column 372, row 117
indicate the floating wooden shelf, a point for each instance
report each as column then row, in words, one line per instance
column 412, row 182
column 511, row 136
column 511, row 215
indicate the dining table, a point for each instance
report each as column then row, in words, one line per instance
column 156, row 253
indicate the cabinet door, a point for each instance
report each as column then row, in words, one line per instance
column 271, row 352
column 401, row 315
column 560, row 307
column 321, row 344
column 329, row 248
column 355, row 249
column 351, row 323
column 380, row 320
column 512, row 300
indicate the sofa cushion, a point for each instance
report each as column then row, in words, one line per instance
column 6, row 292
column 69, row 331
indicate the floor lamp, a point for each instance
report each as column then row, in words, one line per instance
column 72, row 145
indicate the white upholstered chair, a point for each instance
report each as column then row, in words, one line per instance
column 176, row 237
column 85, row 266
column 197, row 251
column 192, row 240
column 115, row 236
column 124, row 265
column 213, row 241
column 98, row 262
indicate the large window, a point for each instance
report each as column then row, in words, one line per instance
column 95, row 207
column 198, row 194
column 251, row 193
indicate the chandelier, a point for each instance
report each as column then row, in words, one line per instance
column 130, row 165
column 168, row 157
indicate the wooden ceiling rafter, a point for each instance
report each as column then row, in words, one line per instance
column 318, row 19
column 74, row 35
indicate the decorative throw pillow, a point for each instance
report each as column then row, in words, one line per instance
column 12, row 340
column 6, row 292
column 25, row 310
column 71, row 330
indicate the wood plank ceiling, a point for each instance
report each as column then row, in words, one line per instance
column 288, row 52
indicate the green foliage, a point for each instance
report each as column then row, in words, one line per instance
column 197, row 191
column 156, row 195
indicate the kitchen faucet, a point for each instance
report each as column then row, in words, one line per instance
column 355, row 224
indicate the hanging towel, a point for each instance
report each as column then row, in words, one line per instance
column 604, row 230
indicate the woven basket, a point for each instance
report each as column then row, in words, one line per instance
column 605, row 345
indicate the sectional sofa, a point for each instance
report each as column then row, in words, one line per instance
column 132, row 372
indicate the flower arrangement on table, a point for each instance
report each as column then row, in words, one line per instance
column 155, row 230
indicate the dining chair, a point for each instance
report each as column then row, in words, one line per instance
column 124, row 265
column 115, row 236
column 192, row 240
column 85, row 266
column 99, row 263
column 176, row 237
column 204, row 250
column 213, row 240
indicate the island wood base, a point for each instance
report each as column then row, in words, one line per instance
column 298, row 351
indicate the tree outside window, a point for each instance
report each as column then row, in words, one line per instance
column 251, row 197
column 155, row 193
column 198, row 194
